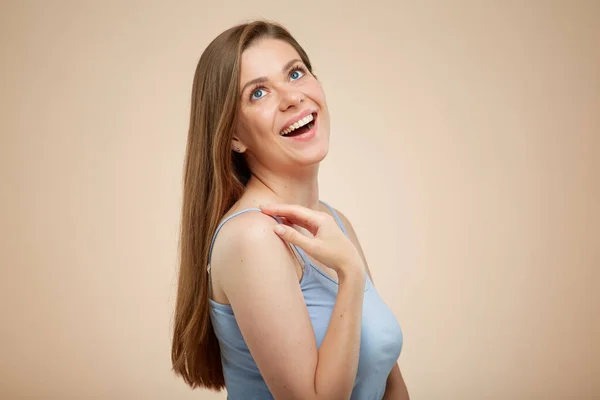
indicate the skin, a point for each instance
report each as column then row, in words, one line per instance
column 251, row 265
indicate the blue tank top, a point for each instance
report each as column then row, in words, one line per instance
column 380, row 345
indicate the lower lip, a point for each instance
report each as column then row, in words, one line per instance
column 307, row 135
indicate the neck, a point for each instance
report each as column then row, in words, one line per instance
column 301, row 189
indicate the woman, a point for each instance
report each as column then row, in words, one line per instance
column 275, row 299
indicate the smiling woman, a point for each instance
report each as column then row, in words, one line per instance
column 275, row 297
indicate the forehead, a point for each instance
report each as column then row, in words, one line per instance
column 265, row 58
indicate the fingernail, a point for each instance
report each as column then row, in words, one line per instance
column 280, row 230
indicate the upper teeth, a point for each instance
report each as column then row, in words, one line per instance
column 297, row 124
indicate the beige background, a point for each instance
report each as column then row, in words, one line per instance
column 465, row 149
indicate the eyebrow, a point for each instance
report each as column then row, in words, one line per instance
column 264, row 79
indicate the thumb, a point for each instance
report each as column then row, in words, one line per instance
column 292, row 236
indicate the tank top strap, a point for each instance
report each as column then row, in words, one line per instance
column 336, row 217
column 299, row 253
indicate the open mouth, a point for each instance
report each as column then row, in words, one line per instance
column 301, row 127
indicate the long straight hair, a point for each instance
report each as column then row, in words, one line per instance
column 214, row 179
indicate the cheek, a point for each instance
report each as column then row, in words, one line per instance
column 257, row 123
column 317, row 93
column 262, row 123
column 264, row 117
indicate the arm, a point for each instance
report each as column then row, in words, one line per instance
column 395, row 388
column 257, row 272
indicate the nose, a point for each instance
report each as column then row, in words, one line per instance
column 290, row 97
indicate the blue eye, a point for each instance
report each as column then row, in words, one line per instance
column 257, row 94
column 296, row 74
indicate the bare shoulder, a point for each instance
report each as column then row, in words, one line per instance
column 245, row 249
column 242, row 232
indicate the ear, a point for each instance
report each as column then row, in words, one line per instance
column 237, row 145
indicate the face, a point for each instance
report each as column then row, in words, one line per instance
column 283, row 121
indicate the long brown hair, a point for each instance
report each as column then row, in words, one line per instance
column 214, row 179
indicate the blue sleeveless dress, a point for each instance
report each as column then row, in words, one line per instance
column 381, row 336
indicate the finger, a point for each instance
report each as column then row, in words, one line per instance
column 294, row 237
column 296, row 214
column 286, row 221
column 281, row 220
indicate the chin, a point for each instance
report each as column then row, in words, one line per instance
column 315, row 156
column 322, row 154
